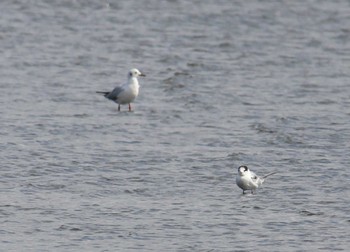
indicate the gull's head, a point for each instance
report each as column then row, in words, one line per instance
column 242, row 170
column 135, row 73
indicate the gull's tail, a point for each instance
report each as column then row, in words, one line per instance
column 267, row 175
column 101, row 92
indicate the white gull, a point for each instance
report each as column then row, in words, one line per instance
column 126, row 93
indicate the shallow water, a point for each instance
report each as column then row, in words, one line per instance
column 261, row 83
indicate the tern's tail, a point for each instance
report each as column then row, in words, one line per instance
column 267, row 175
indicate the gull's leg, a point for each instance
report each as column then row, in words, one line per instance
column 118, row 107
column 129, row 107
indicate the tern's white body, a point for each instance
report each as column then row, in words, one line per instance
column 248, row 180
column 126, row 93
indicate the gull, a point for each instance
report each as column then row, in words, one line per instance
column 248, row 180
column 126, row 93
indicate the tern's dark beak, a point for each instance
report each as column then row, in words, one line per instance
column 143, row 75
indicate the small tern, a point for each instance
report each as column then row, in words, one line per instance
column 248, row 180
column 126, row 93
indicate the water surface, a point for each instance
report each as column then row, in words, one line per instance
column 261, row 83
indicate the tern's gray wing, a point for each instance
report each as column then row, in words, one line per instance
column 253, row 176
column 114, row 94
column 256, row 180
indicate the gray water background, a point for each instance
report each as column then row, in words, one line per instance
column 261, row 83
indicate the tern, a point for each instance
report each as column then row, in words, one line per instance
column 248, row 180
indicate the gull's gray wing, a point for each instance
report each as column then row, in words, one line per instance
column 114, row 94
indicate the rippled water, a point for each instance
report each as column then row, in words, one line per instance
column 261, row 83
